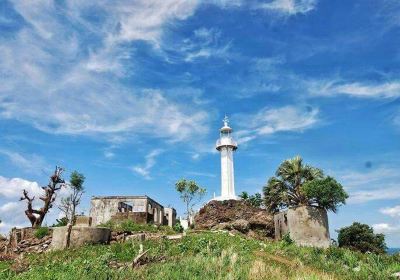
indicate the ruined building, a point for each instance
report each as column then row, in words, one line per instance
column 140, row 209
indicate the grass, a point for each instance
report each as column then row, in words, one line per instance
column 130, row 226
column 41, row 232
column 206, row 256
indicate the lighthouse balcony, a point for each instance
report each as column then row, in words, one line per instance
column 226, row 142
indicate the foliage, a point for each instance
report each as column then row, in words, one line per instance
column 206, row 256
column 190, row 194
column 41, row 232
column 286, row 239
column 326, row 193
column 61, row 222
column 297, row 184
column 178, row 227
column 254, row 200
column 69, row 204
column 361, row 237
column 131, row 226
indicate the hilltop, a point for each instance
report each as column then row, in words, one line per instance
column 202, row 255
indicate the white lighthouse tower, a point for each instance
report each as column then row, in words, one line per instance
column 226, row 146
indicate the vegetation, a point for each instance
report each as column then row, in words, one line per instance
column 36, row 216
column 254, row 200
column 41, row 232
column 178, row 227
column 191, row 193
column 361, row 237
column 61, row 222
column 297, row 184
column 205, row 256
column 69, row 204
column 131, row 226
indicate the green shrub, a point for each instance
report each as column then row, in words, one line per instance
column 178, row 227
column 361, row 237
column 41, row 232
column 286, row 239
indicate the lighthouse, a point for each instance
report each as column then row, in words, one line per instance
column 226, row 146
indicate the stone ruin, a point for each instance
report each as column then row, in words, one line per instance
column 306, row 225
column 140, row 209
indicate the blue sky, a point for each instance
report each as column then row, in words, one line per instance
column 132, row 94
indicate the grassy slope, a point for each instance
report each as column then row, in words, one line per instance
column 207, row 256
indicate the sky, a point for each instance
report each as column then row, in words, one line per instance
column 132, row 94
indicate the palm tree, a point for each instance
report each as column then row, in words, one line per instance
column 284, row 189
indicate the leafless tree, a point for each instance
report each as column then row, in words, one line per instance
column 36, row 216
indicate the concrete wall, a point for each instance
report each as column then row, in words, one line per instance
column 170, row 216
column 144, row 209
column 308, row 226
column 80, row 236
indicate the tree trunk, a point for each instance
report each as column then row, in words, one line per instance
column 69, row 228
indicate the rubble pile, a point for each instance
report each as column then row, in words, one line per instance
column 235, row 215
column 31, row 245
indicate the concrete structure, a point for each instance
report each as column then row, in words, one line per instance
column 83, row 221
column 307, row 226
column 140, row 209
column 80, row 236
column 226, row 146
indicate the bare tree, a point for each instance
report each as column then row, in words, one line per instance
column 36, row 216
column 70, row 203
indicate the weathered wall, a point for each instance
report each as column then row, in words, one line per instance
column 104, row 209
column 139, row 218
column 308, row 226
column 80, row 236
column 170, row 216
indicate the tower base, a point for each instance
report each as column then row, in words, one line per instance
column 222, row 198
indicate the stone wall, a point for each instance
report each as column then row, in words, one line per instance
column 308, row 226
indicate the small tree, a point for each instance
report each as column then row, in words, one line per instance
column 297, row 184
column 70, row 203
column 361, row 237
column 254, row 200
column 36, row 216
column 191, row 193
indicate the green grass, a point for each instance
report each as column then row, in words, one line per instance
column 131, row 226
column 41, row 232
column 206, row 256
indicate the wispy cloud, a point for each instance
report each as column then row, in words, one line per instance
column 289, row 7
column 389, row 89
column 30, row 163
column 57, row 84
column 273, row 120
column 370, row 185
column 150, row 161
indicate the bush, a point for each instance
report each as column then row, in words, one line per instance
column 286, row 239
column 178, row 227
column 41, row 232
column 61, row 222
column 361, row 237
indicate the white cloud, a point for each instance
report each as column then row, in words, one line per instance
column 390, row 89
column 366, row 195
column 386, row 228
column 29, row 163
column 58, row 84
column 150, row 161
column 12, row 188
column 391, row 211
column 272, row 120
column 355, row 178
column 289, row 7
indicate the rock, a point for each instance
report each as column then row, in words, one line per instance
column 241, row 225
column 235, row 215
column 396, row 275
